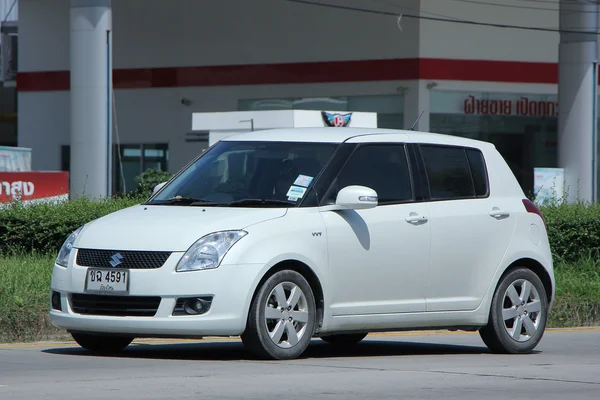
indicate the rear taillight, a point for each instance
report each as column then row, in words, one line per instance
column 532, row 208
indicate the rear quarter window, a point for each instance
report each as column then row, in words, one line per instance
column 479, row 172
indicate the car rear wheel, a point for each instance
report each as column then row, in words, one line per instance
column 344, row 339
column 282, row 315
column 102, row 343
column 518, row 314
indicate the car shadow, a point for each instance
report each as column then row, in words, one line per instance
column 234, row 350
column 359, row 226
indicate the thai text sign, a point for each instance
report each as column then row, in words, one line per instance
column 520, row 107
column 34, row 186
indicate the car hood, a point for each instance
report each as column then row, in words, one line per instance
column 167, row 228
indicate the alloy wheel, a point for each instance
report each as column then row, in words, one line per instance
column 286, row 314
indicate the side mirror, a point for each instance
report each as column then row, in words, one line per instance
column 158, row 187
column 356, row 198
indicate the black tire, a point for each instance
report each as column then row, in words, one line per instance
column 256, row 337
column 496, row 333
column 344, row 339
column 102, row 343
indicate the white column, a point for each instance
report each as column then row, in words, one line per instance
column 91, row 92
column 416, row 101
column 577, row 84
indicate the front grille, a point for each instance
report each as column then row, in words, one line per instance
column 116, row 306
column 128, row 259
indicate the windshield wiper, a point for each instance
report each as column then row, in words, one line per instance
column 186, row 201
column 254, row 202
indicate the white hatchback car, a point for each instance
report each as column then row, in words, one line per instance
column 284, row 235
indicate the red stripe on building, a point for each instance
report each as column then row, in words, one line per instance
column 488, row 71
column 264, row 74
column 313, row 72
column 43, row 81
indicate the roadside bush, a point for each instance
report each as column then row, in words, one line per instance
column 148, row 179
column 43, row 227
column 574, row 230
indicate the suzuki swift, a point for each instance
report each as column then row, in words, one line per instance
column 279, row 236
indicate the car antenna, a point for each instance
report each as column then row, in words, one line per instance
column 417, row 121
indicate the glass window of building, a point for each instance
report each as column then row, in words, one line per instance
column 131, row 162
column 135, row 159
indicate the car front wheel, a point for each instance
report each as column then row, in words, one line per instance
column 518, row 314
column 102, row 343
column 282, row 316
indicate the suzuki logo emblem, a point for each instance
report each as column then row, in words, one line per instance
column 116, row 259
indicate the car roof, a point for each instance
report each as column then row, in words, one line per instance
column 354, row 135
column 319, row 135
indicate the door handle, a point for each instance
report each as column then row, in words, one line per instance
column 415, row 219
column 498, row 213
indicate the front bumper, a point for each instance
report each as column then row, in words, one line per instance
column 230, row 286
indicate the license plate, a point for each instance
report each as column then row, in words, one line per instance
column 107, row 281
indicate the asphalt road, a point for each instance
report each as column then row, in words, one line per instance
column 566, row 365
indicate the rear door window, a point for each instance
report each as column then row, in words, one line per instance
column 448, row 172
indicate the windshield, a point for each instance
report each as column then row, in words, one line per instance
column 249, row 174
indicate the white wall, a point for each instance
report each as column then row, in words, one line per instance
column 461, row 41
column 194, row 33
column 159, row 33
column 43, row 35
column 44, row 117
column 156, row 115
column 44, row 126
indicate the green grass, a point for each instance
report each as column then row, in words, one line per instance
column 25, row 281
column 25, row 296
column 577, row 294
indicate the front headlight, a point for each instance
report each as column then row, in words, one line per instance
column 208, row 252
column 65, row 250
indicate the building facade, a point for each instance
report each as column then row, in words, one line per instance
column 397, row 58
